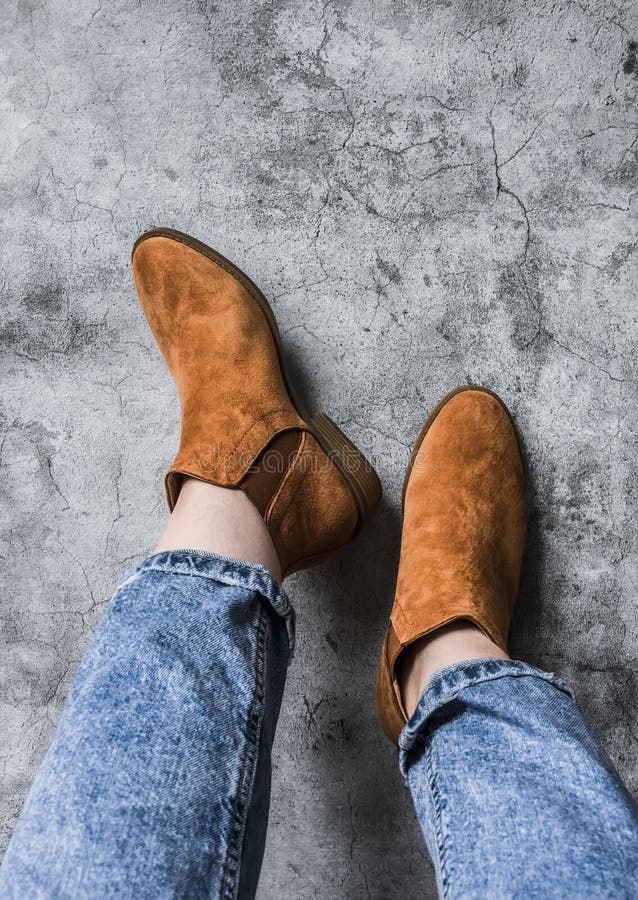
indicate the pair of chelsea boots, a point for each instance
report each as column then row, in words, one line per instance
column 245, row 427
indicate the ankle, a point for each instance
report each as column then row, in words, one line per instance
column 458, row 642
column 219, row 520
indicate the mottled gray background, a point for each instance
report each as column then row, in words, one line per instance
column 430, row 193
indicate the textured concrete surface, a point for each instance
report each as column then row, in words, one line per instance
column 431, row 193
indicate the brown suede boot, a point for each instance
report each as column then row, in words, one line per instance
column 463, row 533
column 243, row 425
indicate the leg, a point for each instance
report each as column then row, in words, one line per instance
column 444, row 647
column 515, row 796
column 157, row 783
column 218, row 520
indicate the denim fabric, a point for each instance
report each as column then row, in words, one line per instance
column 157, row 783
column 158, row 780
column 515, row 796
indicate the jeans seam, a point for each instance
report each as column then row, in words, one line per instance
column 439, row 830
column 232, row 863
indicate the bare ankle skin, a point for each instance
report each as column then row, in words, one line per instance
column 458, row 642
column 219, row 520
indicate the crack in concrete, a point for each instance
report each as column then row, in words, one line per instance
column 503, row 189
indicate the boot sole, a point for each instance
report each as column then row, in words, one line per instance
column 356, row 470
column 437, row 409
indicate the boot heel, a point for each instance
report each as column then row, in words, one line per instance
column 359, row 474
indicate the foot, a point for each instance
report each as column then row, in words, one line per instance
column 461, row 548
column 243, row 425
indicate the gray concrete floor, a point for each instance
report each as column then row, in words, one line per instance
column 430, row 193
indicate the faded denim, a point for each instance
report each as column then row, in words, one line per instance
column 158, row 780
column 514, row 794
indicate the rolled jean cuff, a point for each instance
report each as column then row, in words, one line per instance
column 446, row 684
column 224, row 570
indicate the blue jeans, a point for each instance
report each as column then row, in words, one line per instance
column 157, row 783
